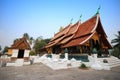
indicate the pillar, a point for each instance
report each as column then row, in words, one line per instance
column 80, row 49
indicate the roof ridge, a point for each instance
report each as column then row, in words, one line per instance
column 98, row 17
column 19, row 42
column 88, row 38
column 63, row 29
column 81, row 25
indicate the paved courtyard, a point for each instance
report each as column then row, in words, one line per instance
column 42, row 72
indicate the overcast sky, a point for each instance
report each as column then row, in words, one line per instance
column 44, row 17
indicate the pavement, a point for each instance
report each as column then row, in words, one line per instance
column 41, row 72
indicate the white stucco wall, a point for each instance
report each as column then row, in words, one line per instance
column 14, row 52
column 26, row 53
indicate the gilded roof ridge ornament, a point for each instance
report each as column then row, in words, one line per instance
column 98, row 10
column 71, row 21
column 80, row 17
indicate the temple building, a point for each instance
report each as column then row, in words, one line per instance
column 19, row 50
column 81, row 38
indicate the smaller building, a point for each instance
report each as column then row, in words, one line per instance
column 20, row 50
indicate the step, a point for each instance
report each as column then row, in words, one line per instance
column 114, row 65
column 109, row 59
column 112, row 61
column 19, row 62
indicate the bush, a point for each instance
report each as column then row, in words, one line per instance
column 115, row 52
column 32, row 53
column 105, row 61
column 83, row 65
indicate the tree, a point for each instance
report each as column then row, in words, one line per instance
column 47, row 40
column 5, row 49
column 0, row 48
column 39, row 43
column 26, row 36
column 17, row 39
column 117, row 40
column 116, row 47
column 30, row 39
column 115, row 52
column 61, row 28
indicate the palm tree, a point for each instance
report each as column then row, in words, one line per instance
column 30, row 39
column 116, row 47
column 26, row 36
column 0, row 48
column 117, row 40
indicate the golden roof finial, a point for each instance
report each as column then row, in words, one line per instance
column 71, row 21
column 98, row 10
column 80, row 17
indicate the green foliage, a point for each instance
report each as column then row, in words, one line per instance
column 17, row 39
column 30, row 39
column 39, row 43
column 47, row 40
column 26, row 35
column 61, row 28
column 83, row 65
column 116, row 47
column 0, row 48
column 105, row 61
column 5, row 49
column 32, row 53
column 116, row 52
column 116, row 40
column 42, row 43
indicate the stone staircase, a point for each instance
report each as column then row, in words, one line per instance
column 112, row 61
column 19, row 62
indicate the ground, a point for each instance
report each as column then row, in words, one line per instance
column 42, row 72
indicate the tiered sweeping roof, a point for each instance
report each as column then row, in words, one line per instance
column 21, row 44
column 79, row 33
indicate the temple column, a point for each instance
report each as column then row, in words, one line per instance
column 80, row 49
column 100, row 45
column 90, row 45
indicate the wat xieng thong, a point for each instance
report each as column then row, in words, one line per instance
column 81, row 38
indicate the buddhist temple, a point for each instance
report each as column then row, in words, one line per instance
column 81, row 38
column 19, row 50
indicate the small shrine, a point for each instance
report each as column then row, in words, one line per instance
column 20, row 50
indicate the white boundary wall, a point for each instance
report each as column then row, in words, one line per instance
column 14, row 52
